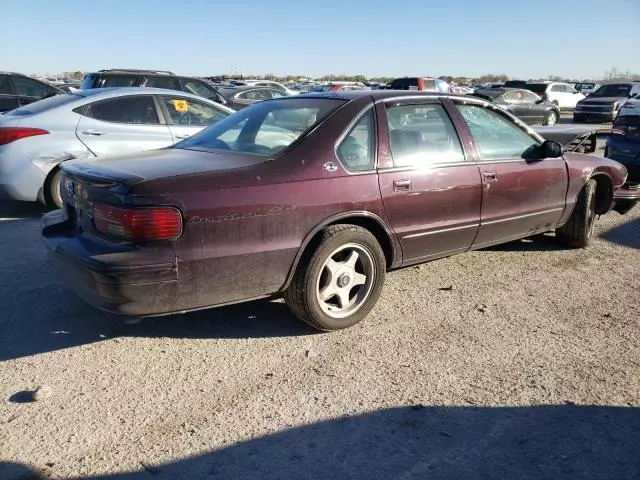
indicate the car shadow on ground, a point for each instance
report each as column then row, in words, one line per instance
column 626, row 235
column 42, row 330
column 538, row 243
column 417, row 442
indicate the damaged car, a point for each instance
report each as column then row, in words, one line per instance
column 36, row 139
column 351, row 185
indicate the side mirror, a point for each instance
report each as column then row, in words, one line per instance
column 551, row 149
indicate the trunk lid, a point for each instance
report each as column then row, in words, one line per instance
column 165, row 163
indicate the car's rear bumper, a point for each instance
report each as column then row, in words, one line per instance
column 112, row 278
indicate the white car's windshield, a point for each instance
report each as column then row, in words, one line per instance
column 264, row 128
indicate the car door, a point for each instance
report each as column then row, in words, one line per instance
column 122, row 125
column 186, row 116
column 431, row 192
column 534, row 105
column 519, row 196
column 514, row 102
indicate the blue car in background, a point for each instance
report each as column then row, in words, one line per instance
column 624, row 145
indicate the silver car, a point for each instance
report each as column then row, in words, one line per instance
column 36, row 138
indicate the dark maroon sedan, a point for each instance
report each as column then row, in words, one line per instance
column 315, row 197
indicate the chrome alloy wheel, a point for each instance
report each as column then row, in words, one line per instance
column 346, row 280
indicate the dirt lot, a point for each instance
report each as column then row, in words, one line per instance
column 521, row 361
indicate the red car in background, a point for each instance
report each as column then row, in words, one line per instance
column 339, row 189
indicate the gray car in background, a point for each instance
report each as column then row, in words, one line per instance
column 37, row 138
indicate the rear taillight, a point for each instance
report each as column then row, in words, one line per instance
column 11, row 134
column 140, row 223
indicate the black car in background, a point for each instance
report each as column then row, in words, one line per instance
column 123, row 77
column 17, row 90
column 524, row 104
column 243, row 96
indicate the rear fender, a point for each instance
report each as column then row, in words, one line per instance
column 392, row 248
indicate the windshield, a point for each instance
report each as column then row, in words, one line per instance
column 45, row 104
column 264, row 128
column 613, row 90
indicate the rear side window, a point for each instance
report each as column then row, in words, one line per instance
column 160, row 82
column 32, row 88
column 186, row 111
column 138, row 110
column 429, row 84
column 356, row 151
column 118, row 81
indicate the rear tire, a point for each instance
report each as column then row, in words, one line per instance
column 54, row 197
column 551, row 118
column 337, row 284
column 577, row 232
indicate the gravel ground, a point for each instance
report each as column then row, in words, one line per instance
column 520, row 361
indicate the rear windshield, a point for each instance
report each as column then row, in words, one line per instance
column 265, row 128
column 42, row 105
column 538, row 88
column 612, row 90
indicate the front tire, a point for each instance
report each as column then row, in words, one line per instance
column 54, row 197
column 337, row 284
column 577, row 232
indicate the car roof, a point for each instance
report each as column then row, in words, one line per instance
column 112, row 92
column 375, row 94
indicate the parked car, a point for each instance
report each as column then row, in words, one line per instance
column 268, row 83
column 624, row 145
column 422, row 84
column 338, row 87
column 524, row 104
column 515, row 84
column 562, row 94
column 122, row 77
column 243, row 96
column 351, row 190
column 17, row 90
column 604, row 104
column 586, row 88
column 36, row 139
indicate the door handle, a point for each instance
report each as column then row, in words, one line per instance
column 490, row 176
column 93, row 132
column 402, row 185
column 183, row 136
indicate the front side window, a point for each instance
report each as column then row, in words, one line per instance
column 514, row 96
column 356, row 151
column 529, row 97
column 201, row 89
column 186, row 111
column 119, row 81
column 496, row 136
column 421, row 135
column 264, row 128
column 32, row 88
column 139, row 110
